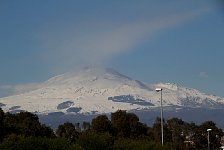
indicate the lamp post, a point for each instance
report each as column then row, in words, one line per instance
column 161, row 113
column 208, row 130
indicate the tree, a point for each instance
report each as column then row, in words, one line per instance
column 127, row 124
column 68, row 131
column 14, row 142
column 46, row 131
column 28, row 124
column 101, row 124
column 119, row 123
column 2, row 114
column 138, row 144
column 86, row 126
column 10, row 124
column 91, row 140
column 156, row 129
column 176, row 126
column 215, row 134
column 77, row 127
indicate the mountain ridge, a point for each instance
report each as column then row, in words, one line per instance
column 94, row 90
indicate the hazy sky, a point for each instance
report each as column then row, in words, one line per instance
column 150, row 40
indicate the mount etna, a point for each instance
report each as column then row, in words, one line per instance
column 81, row 95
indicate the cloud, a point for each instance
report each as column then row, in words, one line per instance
column 8, row 90
column 203, row 75
column 97, row 42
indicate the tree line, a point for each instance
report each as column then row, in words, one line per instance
column 123, row 131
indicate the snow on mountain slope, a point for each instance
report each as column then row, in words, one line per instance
column 189, row 97
column 94, row 90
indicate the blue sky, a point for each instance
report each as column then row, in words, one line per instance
column 150, row 40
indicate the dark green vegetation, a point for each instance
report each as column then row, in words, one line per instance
column 122, row 132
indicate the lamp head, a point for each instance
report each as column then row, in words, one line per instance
column 209, row 130
column 158, row 89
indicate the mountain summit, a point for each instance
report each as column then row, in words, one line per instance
column 94, row 90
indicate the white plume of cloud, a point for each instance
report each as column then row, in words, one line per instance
column 95, row 43
column 8, row 90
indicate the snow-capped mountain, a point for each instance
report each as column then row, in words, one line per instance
column 94, row 90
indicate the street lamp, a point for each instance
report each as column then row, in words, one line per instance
column 208, row 130
column 161, row 102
